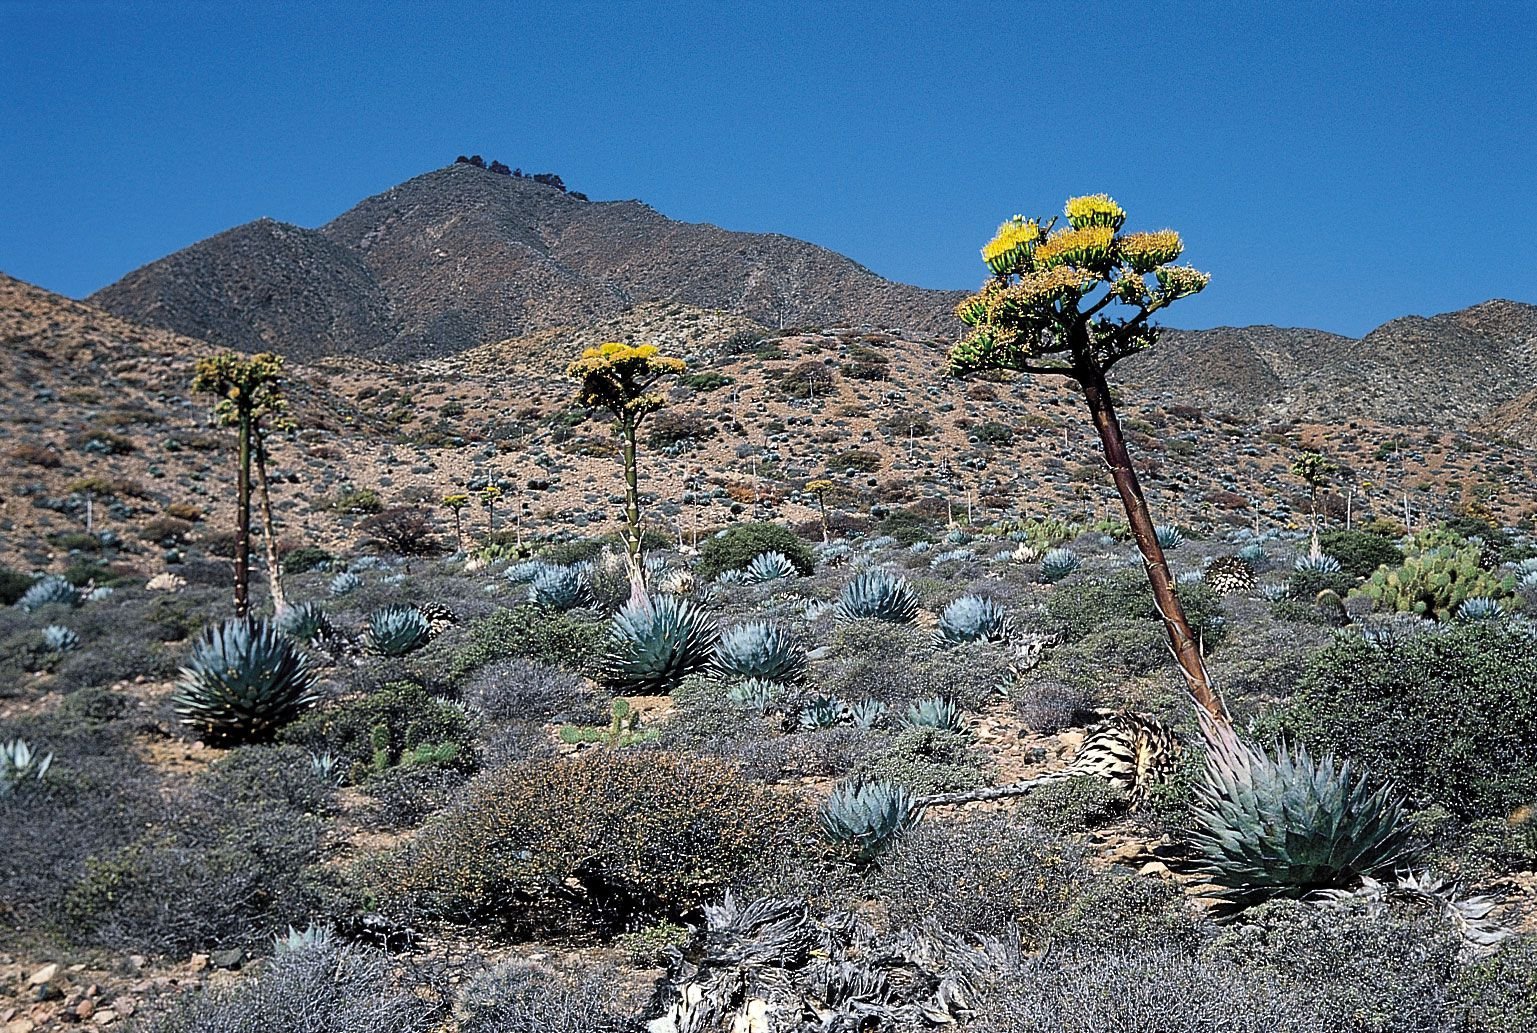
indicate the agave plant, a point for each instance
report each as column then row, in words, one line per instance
column 1479, row 608
column 822, row 712
column 1228, row 575
column 1471, row 917
column 243, row 680
column 396, row 630
column 523, row 572
column 99, row 593
column 759, row 650
column 877, row 595
column 731, row 577
column 559, row 588
column 1274, row 591
column 1253, row 554
column 1319, row 564
column 345, row 583
column 1058, row 564
column 868, row 714
column 867, row 818
column 654, row 643
column 971, row 618
column 311, row 937
column 1169, row 536
column 326, row 767
column 769, row 566
column 59, row 639
column 51, row 590
column 19, row 763
column 1289, row 825
column 754, row 694
column 935, row 712
column 305, row 623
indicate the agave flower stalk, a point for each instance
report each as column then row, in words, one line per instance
column 1046, row 310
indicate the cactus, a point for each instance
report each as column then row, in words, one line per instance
column 345, row 583
column 971, row 618
column 59, row 639
column 1169, row 536
column 877, row 595
column 866, row 819
column 769, row 566
column 654, row 643
column 1435, row 581
column 1058, row 564
column 559, row 588
column 759, row 650
column 243, row 681
column 935, row 712
column 51, row 590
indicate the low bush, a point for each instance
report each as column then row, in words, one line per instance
column 1085, row 605
column 530, row 690
column 738, row 545
column 927, row 760
column 530, row 632
column 596, row 841
column 398, row 723
column 1359, row 552
column 524, row 995
column 1498, row 994
column 1450, row 717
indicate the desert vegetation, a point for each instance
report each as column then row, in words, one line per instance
column 900, row 765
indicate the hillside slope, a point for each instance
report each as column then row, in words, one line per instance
column 461, row 256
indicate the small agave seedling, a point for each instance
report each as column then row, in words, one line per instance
column 936, row 712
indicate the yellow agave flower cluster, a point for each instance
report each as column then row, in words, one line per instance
column 615, row 376
column 1009, row 250
column 1087, row 248
column 1144, row 252
column 1095, row 210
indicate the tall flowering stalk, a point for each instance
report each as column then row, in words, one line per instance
column 1072, row 302
column 622, row 379
column 248, row 391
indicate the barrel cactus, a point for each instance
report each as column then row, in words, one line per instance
column 654, row 643
column 1289, row 825
column 243, row 681
column 972, row 618
column 396, row 630
column 865, row 819
column 1058, row 564
column 877, row 595
column 759, row 650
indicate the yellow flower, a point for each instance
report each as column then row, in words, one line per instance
column 1095, row 210
column 1179, row 281
column 1009, row 250
column 1033, row 290
column 1144, row 252
column 1085, row 247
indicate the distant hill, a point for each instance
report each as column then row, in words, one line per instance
column 461, row 257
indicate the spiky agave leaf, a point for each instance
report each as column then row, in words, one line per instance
column 1471, row 916
column 1169, row 536
column 935, row 712
column 759, row 650
column 769, row 566
column 1290, row 825
column 243, row 680
column 866, row 818
column 396, row 630
column 654, row 643
column 868, row 713
column 754, row 694
column 1319, row 564
column 344, row 583
column 822, row 712
column 971, row 618
column 19, row 762
column 877, row 595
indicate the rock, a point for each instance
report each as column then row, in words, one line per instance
column 1153, row 868
column 105, row 1017
column 21, row 1025
column 198, row 962
column 43, row 975
column 85, row 1009
column 227, row 959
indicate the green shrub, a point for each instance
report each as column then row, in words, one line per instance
column 397, row 724
column 1081, row 607
column 305, row 559
column 1449, row 717
column 1498, row 994
column 605, row 839
column 13, row 585
column 1359, row 553
column 928, row 760
column 533, row 633
column 737, row 546
column 1072, row 804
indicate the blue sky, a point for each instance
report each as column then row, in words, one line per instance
column 1332, row 165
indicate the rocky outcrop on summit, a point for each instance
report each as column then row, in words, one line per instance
column 460, row 257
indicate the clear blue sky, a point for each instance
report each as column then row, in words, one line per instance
column 1333, row 165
